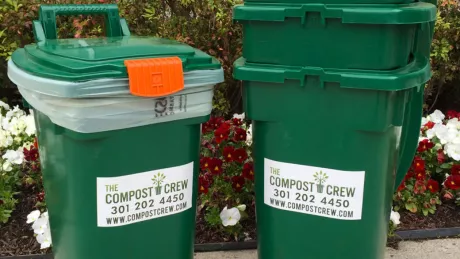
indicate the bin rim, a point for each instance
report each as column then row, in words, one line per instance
column 413, row 13
column 415, row 74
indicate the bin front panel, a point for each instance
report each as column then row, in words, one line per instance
column 356, row 132
column 71, row 164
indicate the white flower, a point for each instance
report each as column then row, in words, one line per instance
column 45, row 239
column 395, row 217
column 5, row 139
column 7, row 167
column 430, row 133
column 436, row 117
column 453, row 124
column 17, row 125
column 249, row 136
column 239, row 116
column 40, row 225
column 30, row 125
column 241, row 207
column 15, row 113
column 230, row 217
column 33, row 216
column 443, row 133
column 4, row 106
column 453, row 151
column 14, row 157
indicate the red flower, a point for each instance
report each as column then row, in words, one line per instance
column 248, row 171
column 41, row 197
column 419, row 187
column 36, row 143
column 420, row 175
column 205, row 163
column 237, row 122
column 222, row 133
column 215, row 166
column 418, row 164
column 240, row 155
column 238, row 183
column 228, row 153
column 1, row 202
column 425, row 145
column 409, row 175
column 433, row 186
column 203, row 185
column 31, row 154
column 240, row 134
column 455, row 170
column 452, row 114
column 453, row 182
column 441, row 156
column 429, row 125
column 215, row 122
column 402, row 186
column 206, row 128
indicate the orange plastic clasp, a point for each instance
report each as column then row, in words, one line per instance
column 155, row 77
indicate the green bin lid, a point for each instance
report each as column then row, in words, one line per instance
column 417, row 73
column 413, row 13
column 88, row 59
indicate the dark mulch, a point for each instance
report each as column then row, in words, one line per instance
column 16, row 237
column 447, row 216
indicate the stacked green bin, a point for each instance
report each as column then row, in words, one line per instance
column 335, row 92
column 120, row 171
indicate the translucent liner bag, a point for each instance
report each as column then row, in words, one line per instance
column 106, row 104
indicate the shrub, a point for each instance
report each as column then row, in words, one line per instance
column 442, row 91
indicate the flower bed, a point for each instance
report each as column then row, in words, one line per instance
column 429, row 197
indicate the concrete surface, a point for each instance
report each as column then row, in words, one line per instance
column 442, row 249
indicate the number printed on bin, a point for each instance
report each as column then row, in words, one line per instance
column 316, row 191
column 144, row 196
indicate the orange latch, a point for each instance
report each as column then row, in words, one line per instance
column 155, row 77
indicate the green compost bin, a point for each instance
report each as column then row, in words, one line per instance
column 119, row 171
column 374, row 37
column 330, row 146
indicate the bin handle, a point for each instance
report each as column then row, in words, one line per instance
column 45, row 27
column 410, row 133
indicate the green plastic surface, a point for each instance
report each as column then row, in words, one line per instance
column 87, row 59
column 330, row 119
column 45, row 27
column 72, row 161
column 414, row 74
column 378, row 37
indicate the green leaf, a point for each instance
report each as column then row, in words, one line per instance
column 446, row 166
column 425, row 212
